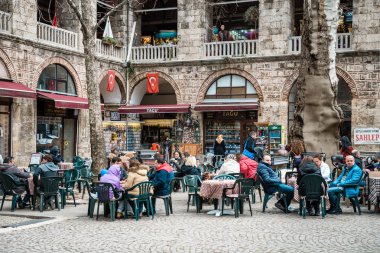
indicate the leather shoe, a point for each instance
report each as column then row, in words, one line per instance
column 279, row 206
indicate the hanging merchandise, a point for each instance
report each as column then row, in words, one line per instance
column 111, row 80
column 152, row 83
column 107, row 30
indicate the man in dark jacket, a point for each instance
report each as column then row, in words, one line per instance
column 308, row 167
column 268, row 176
column 57, row 157
column 19, row 177
column 249, row 145
column 358, row 160
column 161, row 178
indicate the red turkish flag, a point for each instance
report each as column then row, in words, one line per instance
column 54, row 23
column 111, row 80
column 152, row 82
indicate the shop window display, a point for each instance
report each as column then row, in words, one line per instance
column 49, row 133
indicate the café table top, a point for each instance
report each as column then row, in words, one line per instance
column 213, row 189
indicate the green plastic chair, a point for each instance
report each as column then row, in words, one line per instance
column 268, row 196
column 85, row 179
column 167, row 199
column 101, row 193
column 70, row 179
column 192, row 183
column 49, row 187
column 312, row 187
column 143, row 197
column 224, row 177
column 243, row 186
column 7, row 185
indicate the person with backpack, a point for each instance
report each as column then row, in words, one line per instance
column 249, row 145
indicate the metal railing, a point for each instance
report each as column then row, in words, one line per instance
column 295, row 45
column 5, row 22
column 154, row 53
column 57, row 36
column 230, row 49
column 110, row 51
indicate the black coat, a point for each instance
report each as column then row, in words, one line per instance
column 219, row 148
column 307, row 168
column 188, row 170
column 19, row 177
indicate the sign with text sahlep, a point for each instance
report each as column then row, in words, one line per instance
column 367, row 136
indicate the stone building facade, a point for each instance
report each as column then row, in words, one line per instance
column 270, row 67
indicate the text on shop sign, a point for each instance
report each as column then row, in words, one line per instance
column 367, row 136
column 154, row 110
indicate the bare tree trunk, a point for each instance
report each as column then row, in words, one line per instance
column 316, row 116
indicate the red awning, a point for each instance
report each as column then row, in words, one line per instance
column 147, row 109
column 62, row 101
column 11, row 89
column 215, row 107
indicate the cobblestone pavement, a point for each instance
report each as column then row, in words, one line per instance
column 272, row 231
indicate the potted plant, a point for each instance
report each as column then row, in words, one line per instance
column 109, row 41
column 119, row 44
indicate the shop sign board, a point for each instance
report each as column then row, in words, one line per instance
column 231, row 115
column 367, row 136
column 115, row 116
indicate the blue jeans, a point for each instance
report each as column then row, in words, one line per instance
column 333, row 196
column 289, row 191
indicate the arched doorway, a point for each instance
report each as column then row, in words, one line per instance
column 154, row 117
column 344, row 101
column 57, row 110
column 229, row 107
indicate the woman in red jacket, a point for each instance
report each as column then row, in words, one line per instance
column 248, row 167
column 345, row 147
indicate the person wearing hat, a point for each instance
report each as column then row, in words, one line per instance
column 230, row 165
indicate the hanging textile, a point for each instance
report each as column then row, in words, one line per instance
column 111, row 80
column 152, row 83
column 107, row 30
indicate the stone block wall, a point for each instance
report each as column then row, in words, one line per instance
column 275, row 26
column 366, row 25
column 24, row 19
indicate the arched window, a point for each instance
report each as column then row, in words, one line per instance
column 231, row 87
column 57, row 79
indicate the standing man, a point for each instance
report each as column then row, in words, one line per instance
column 268, row 176
column 351, row 174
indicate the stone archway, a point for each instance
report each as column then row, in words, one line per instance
column 138, row 78
column 339, row 71
column 67, row 65
column 120, row 80
column 230, row 71
column 8, row 64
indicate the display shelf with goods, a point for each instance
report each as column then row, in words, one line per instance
column 115, row 135
column 133, row 137
column 231, row 136
column 275, row 138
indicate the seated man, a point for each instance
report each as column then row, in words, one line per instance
column 20, row 179
column 351, row 174
column 161, row 178
column 268, row 176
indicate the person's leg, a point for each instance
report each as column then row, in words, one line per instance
column 120, row 209
column 289, row 191
column 333, row 196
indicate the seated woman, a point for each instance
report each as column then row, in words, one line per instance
column 112, row 177
column 161, row 178
column 177, row 162
column 137, row 173
column 308, row 167
column 190, row 167
column 230, row 165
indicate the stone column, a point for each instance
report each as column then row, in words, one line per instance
column 192, row 28
column 83, row 139
column 24, row 18
column 365, row 25
column 275, row 26
column 23, row 139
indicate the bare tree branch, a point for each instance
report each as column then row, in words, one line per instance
column 85, row 29
column 108, row 14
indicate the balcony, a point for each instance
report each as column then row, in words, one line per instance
column 57, row 36
column 343, row 43
column 242, row 48
column 110, row 51
column 5, row 22
column 154, row 53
